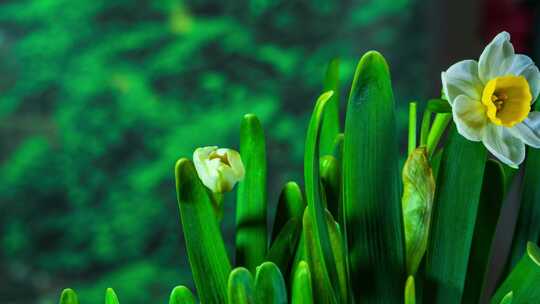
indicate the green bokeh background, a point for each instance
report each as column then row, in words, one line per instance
column 99, row 98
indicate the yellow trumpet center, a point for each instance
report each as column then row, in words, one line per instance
column 507, row 100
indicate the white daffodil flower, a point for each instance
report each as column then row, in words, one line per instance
column 491, row 100
column 218, row 169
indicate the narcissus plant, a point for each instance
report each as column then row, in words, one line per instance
column 360, row 229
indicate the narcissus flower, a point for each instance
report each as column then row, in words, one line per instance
column 218, row 169
column 491, row 100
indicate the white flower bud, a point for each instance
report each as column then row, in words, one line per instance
column 219, row 169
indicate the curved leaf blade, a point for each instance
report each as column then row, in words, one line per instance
column 269, row 285
column 208, row 258
column 373, row 219
column 314, row 192
column 291, row 204
column 523, row 280
column 68, row 296
column 284, row 247
column 302, row 291
column 251, row 230
column 241, row 287
column 110, row 297
column 491, row 200
column 181, row 295
column 459, row 184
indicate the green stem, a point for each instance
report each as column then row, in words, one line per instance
column 412, row 127
column 426, row 121
column 440, row 123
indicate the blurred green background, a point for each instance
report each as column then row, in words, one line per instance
column 99, row 98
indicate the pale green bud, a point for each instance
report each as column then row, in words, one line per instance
column 219, row 169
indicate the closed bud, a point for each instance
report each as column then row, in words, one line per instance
column 219, row 169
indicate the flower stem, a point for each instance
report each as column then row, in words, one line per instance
column 412, row 127
column 426, row 121
column 440, row 123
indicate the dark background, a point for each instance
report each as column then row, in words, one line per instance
column 99, row 98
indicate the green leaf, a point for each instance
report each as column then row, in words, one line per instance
column 241, row 289
column 508, row 298
column 411, row 142
column 436, row 163
column 323, row 290
column 491, row 200
column 457, row 197
column 251, row 232
column 410, row 296
column 110, row 297
column 181, row 295
column 417, row 204
column 269, row 285
column 314, row 192
column 528, row 223
column 68, row 296
column 440, row 123
column 338, row 146
column 371, row 186
column 439, row 106
column 291, row 204
column 331, row 125
column 284, row 247
column 331, row 181
column 524, row 279
column 208, row 258
column 424, row 129
column 302, row 291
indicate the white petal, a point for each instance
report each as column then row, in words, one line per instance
column 470, row 117
column 533, row 77
column 494, row 59
column 236, row 164
column 462, row 79
column 522, row 65
column 503, row 145
column 529, row 130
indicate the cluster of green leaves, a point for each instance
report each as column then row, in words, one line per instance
column 356, row 234
column 98, row 98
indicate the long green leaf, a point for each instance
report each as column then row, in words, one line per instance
column 417, row 204
column 331, row 125
column 322, row 285
column 291, row 204
column 457, row 197
column 110, row 297
column 284, row 247
column 181, row 295
column 338, row 248
column 269, row 285
column 371, row 186
column 439, row 106
column 410, row 295
column 241, row 289
column 206, row 251
column 528, row 223
column 314, row 192
column 68, row 296
column 323, row 289
column 251, row 232
column 491, row 200
column 302, row 291
column 508, row 298
column 524, row 280
column 331, row 180
column 338, row 146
